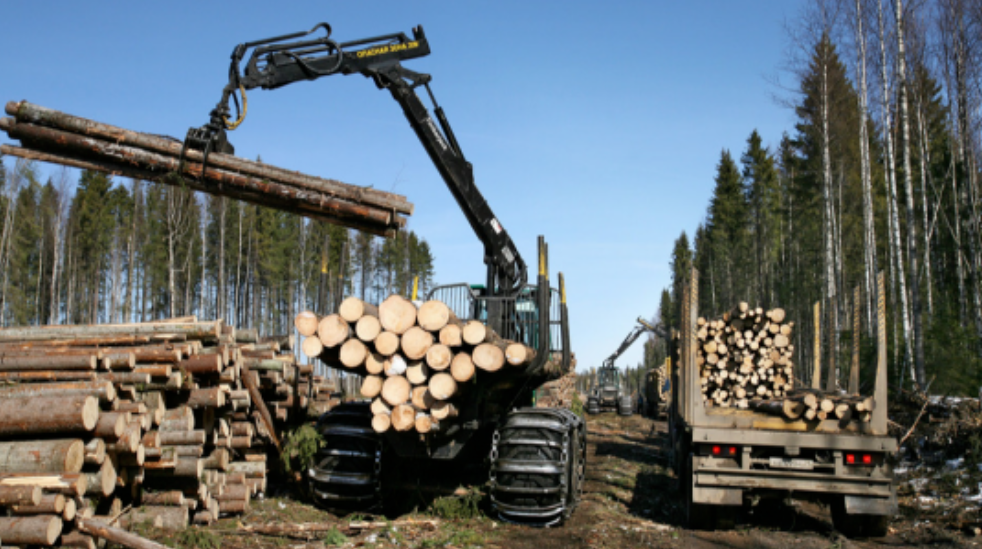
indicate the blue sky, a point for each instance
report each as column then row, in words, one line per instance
column 598, row 125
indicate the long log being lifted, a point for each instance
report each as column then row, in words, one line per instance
column 62, row 138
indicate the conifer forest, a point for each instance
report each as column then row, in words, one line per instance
column 82, row 247
column 879, row 172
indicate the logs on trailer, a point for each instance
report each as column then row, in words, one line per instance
column 744, row 355
column 745, row 359
column 173, row 436
column 57, row 137
column 414, row 368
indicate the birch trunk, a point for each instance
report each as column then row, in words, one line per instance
column 869, row 230
column 899, row 276
column 912, row 253
column 925, row 162
column 827, row 199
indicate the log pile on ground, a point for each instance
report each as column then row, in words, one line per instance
column 52, row 136
column 416, row 363
column 744, row 355
column 558, row 393
column 172, row 417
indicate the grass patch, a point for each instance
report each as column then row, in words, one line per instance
column 334, row 537
column 576, row 406
column 193, row 538
column 462, row 539
column 467, row 506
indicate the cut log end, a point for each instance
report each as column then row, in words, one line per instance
column 306, row 323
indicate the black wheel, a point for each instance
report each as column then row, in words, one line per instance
column 345, row 473
column 592, row 406
column 858, row 526
column 625, row 407
column 537, row 466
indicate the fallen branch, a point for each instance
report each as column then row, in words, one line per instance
column 115, row 535
column 303, row 529
column 916, row 421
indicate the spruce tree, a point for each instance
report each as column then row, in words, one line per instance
column 25, row 254
column 763, row 199
column 91, row 224
column 727, row 234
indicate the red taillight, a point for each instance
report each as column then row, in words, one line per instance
column 732, row 450
column 716, row 450
column 851, row 459
column 867, row 459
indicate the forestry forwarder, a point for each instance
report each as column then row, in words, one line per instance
column 535, row 455
column 608, row 391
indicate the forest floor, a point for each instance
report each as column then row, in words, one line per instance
column 631, row 500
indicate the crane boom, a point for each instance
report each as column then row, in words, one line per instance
column 283, row 60
column 632, row 336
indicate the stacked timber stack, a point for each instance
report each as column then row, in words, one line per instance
column 814, row 405
column 322, row 394
column 558, row 393
column 415, row 363
column 745, row 362
column 51, row 136
column 744, row 355
column 169, row 415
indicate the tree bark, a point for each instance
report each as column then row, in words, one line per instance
column 42, row 456
column 912, row 252
column 47, row 415
column 31, row 530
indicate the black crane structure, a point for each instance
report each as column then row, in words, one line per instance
column 283, row 60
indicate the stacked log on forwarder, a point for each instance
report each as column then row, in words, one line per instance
column 415, row 362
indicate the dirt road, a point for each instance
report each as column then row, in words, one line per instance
column 630, row 500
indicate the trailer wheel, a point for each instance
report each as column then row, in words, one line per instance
column 858, row 526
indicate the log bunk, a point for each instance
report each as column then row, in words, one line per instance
column 745, row 361
column 51, row 136
column 415, row 363
column 174, row 418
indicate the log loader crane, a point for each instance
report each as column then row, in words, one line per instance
column 608, row 391
column 535, row 456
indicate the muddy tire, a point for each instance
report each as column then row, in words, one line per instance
column 592, row 406
column 625, row 406
column 537, row 466
column 858, row 526
column 345, row 474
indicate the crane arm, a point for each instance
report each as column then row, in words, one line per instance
column 283, row 60
column 632, row 336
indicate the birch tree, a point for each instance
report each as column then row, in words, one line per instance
column 912, row 253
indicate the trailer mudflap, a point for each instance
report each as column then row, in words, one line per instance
column 717, row 496
column 859, row 505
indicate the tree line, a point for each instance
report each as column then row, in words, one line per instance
column 96, row 249
column 879, row 173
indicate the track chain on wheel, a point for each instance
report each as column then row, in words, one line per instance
column 346, row 474
column 537, row 466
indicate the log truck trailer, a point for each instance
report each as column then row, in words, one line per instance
column 726, row 458
column 535, row 456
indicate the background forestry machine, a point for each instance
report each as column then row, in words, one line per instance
column 535, row 455
column 608, row 392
